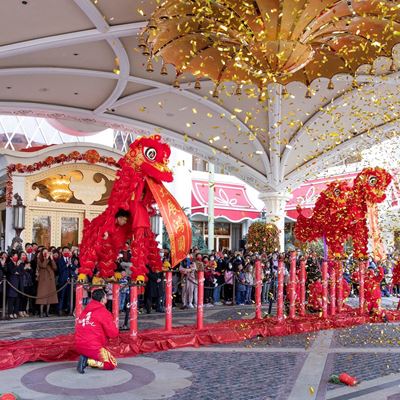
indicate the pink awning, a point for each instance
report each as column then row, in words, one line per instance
column 230, row 201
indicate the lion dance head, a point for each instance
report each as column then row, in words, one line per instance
column 150, row 156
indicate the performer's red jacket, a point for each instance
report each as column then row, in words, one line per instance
column 93, row 329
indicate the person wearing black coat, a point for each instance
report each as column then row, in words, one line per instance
column 14, row 276
column 154, row 290
column 28, row 286
column 3, row 259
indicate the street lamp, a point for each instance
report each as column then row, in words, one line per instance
column 155, row 223
column 263, row 216
column 18, row 222
column 18, row 215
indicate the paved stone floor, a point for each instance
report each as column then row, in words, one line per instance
column 294, row 367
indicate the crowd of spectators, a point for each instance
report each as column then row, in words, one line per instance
column 40, row 279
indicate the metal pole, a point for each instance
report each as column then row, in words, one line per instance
column 324, row 289
column 281, row 272
column 168, row 301
column 71, row 300
column 4, row 298
column 79, row 305
column 234, row 289
column 362, row 266
column 302, row 288
column 333, row 290
column 133, row 313
column 211, row 185
column 115, row 303
column 340, row 286
column 258, row 290
column 292, row 285
column 200, row 299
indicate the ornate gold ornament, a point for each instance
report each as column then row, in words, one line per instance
column 265, row 41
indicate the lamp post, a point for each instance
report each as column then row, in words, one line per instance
column 263, row 216
column 18, row 223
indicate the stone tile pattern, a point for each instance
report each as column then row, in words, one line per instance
column 250, row 376
column 376, row 335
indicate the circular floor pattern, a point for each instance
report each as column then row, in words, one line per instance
column 139, row 378
column 87, row 384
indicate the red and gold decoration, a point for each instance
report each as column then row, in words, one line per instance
column 90, row 156
column 265, row 41
column 342, row 211
column 176, row 222
column 137, row 188
column 263, row 237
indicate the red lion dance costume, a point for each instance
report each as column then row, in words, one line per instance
column 341, row 212
column 137, row 183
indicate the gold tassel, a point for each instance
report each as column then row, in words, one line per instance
column 331, row 86
column 176, row 84
column 197, row 85
column 308, row 93
column 238, row 91
column 285, row 92
column 354, row 84
column 393, row 66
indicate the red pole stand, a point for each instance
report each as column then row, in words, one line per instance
column 200, row 299
column 115, row 303
column 258, row 290
column 302, row 288
column 324, row 289
column 361, row 269
column 79, row 303
column 339, row 279
column 133, row 312
column 168, row 301
column 292, row 285
column 333, row 290
column 281, row 271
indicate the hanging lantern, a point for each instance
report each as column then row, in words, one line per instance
column 164, row 70
column 176, row 84
column 149, row 67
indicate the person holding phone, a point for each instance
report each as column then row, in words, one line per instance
column 47, row 292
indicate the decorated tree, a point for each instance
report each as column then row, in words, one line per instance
column 263, row 237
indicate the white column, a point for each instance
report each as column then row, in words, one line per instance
column 275, row 203
column 211, row 185
column 275, row 122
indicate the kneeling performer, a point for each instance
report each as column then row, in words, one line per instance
column 93, row 329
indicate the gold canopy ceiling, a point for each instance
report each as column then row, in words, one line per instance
column 264, row 41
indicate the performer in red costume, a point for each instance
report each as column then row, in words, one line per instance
column 137, row 185
column 93, row 329
column 373, row 294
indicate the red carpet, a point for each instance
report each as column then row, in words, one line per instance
column 17, row 352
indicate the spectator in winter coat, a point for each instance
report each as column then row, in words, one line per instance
column 14, row 271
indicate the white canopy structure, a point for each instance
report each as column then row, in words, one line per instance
column 78, row 60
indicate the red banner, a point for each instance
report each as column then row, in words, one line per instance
column 177, row 224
